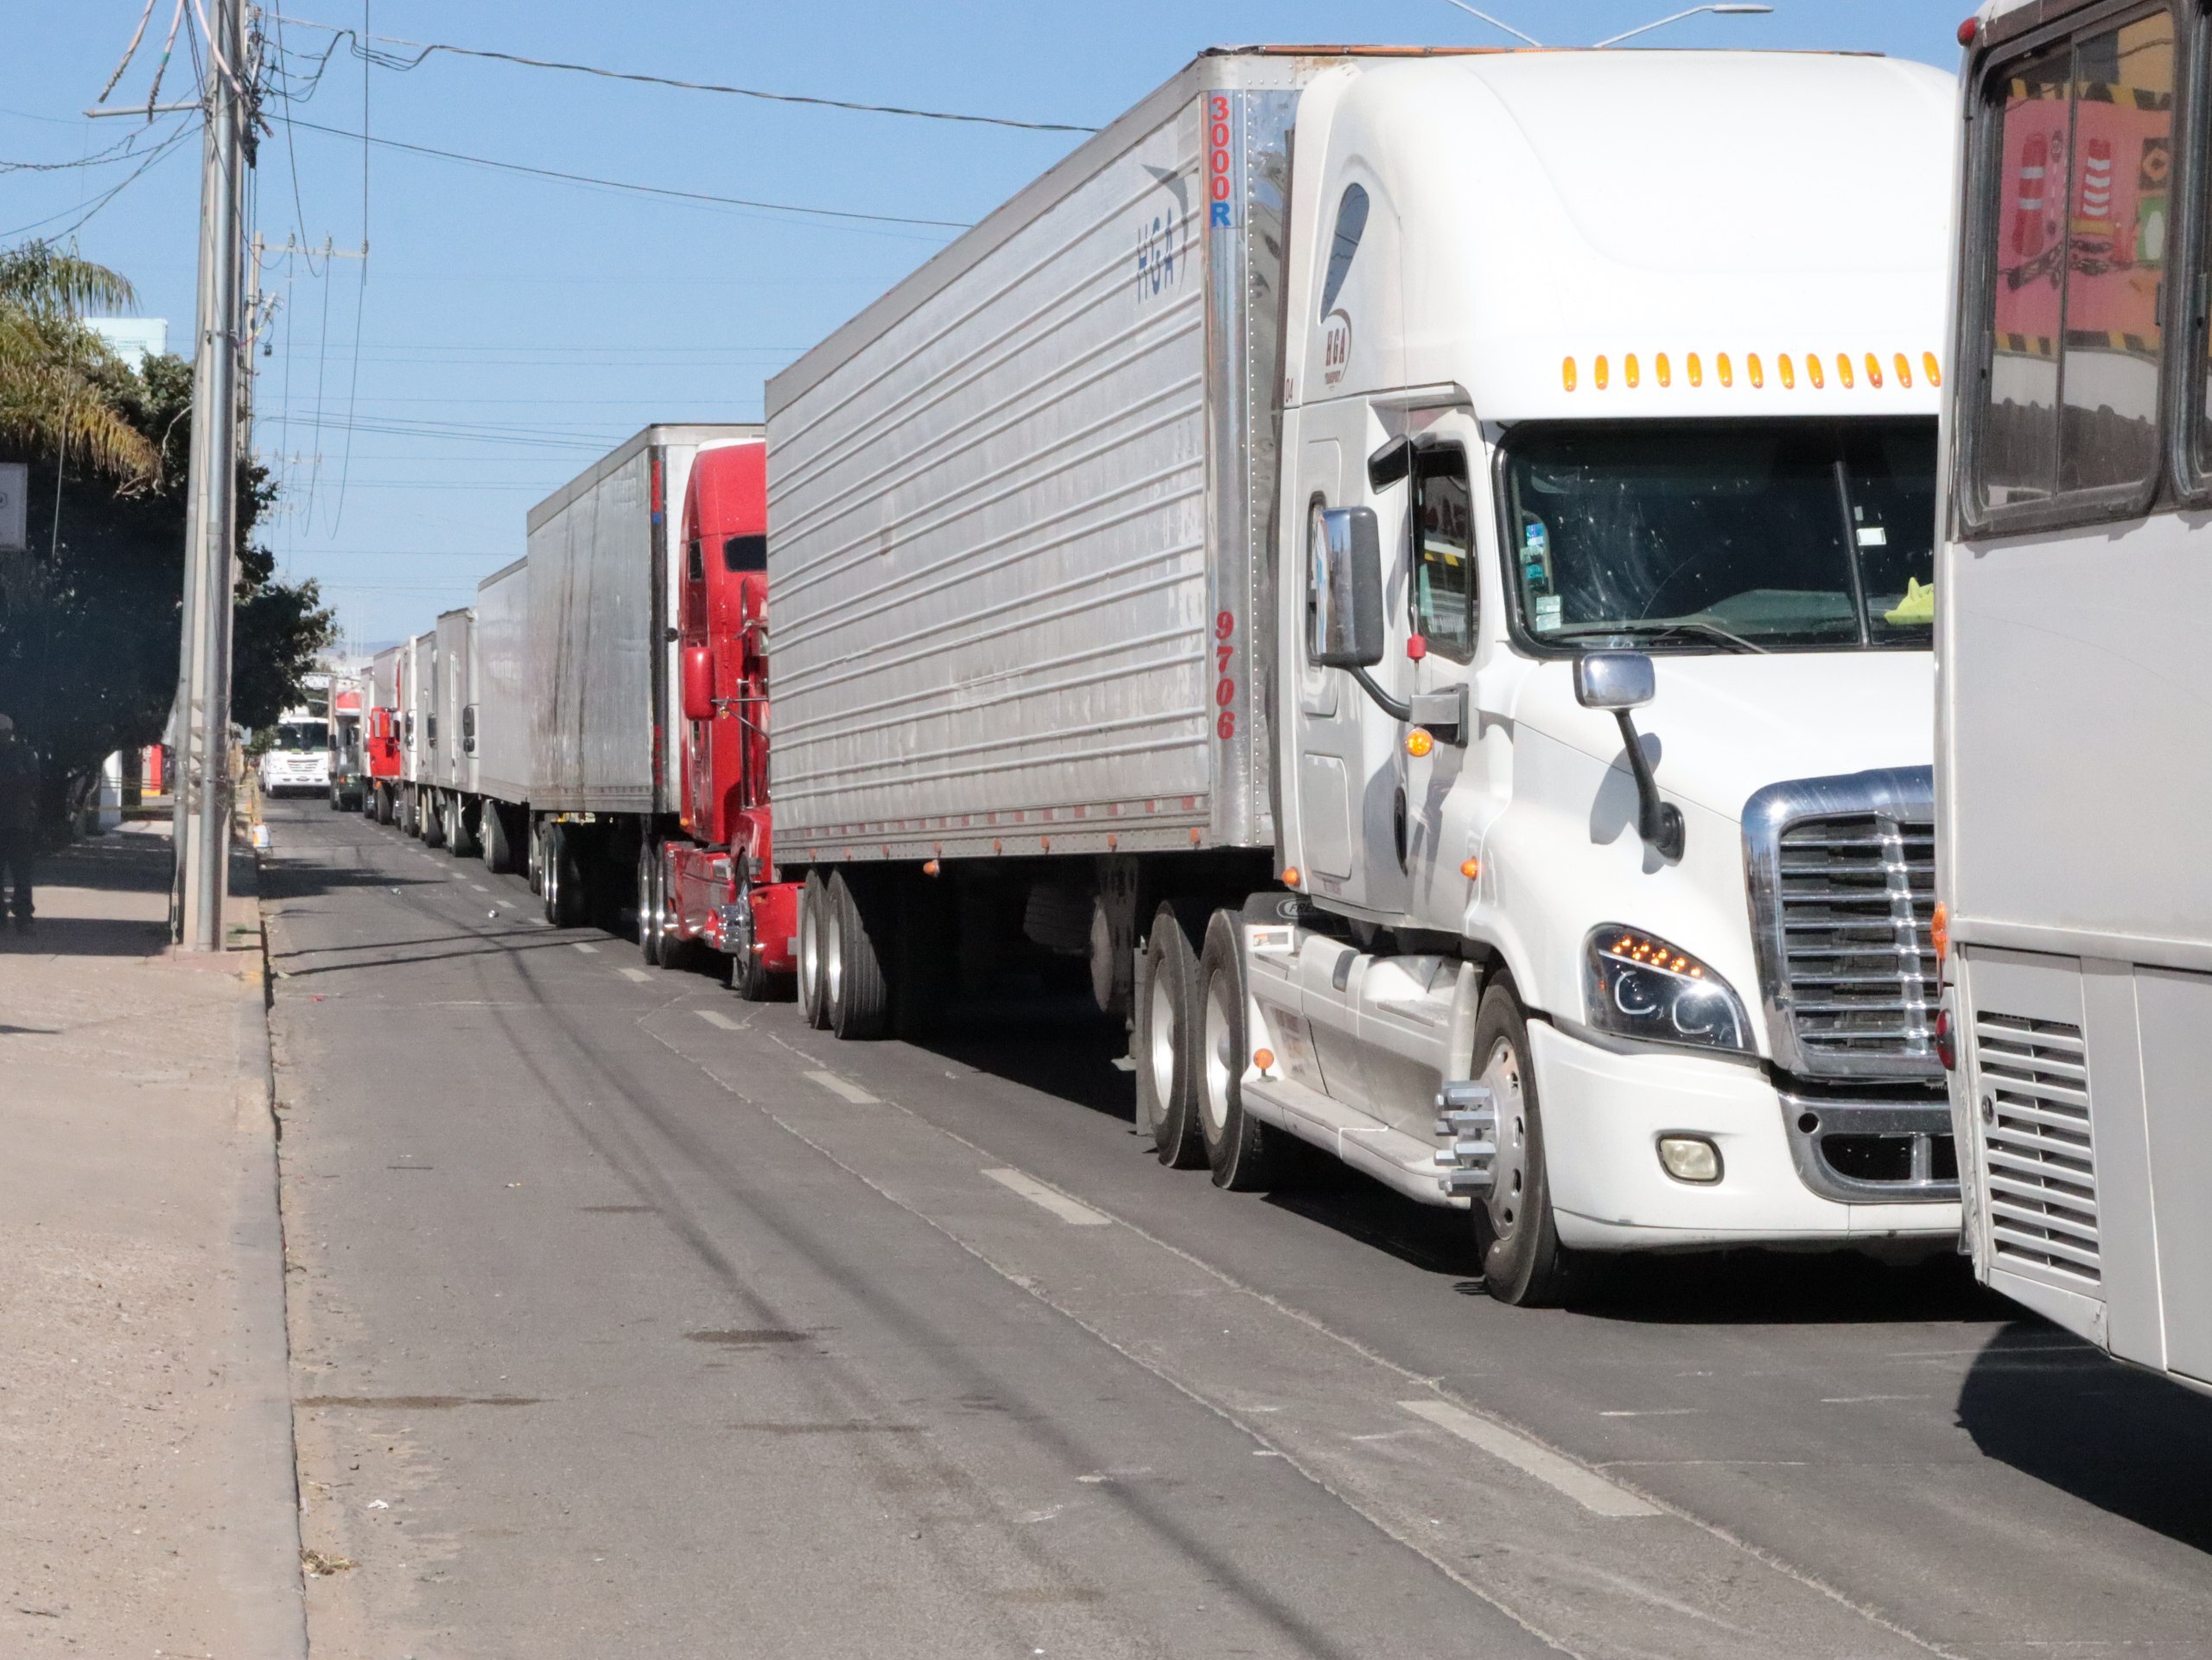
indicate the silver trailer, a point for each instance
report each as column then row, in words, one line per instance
column 503, row 726
column 419, row 714
column 1019, row 509
column 452, row 758
column 599, row 667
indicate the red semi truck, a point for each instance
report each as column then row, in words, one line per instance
column 713, row 878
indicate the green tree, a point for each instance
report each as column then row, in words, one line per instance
column 89, row 619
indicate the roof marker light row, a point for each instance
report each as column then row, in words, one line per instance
column 1723, row 371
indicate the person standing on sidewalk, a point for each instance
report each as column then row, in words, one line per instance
column 19, row 779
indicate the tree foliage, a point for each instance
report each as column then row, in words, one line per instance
column 90, row 618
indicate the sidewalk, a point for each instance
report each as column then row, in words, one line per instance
column 145, row 1417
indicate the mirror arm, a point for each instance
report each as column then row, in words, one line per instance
column 1660, row 823
column 1391, row 706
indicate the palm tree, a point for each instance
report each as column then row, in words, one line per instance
column 61, row 387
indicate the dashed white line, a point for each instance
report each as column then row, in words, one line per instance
column 638, row 975
column 480, row 887
column 844, row 1086
column 1654, row 1412
column 1857, row 1400
column 715, row 1017
column 1051, row 1199
column 578, row 946
column 1586, row 1487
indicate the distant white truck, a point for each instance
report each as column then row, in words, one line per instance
column 1438, row 628
column 2074, row 774
column 297, row 762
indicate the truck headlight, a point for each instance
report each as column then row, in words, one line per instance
column 1639, row 986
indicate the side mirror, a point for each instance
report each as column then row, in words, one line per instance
column 1389, row 464
column 1345, row 589
column 698, row 684
column 1613, row 681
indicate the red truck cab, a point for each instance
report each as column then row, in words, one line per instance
column 719, row 876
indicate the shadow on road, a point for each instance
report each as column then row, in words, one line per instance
column 2130, row 1443
column 106, row 896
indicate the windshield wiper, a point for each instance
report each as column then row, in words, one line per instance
column 1712, row 631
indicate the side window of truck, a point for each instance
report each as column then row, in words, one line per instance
column 2073, row 201
column 1351, row 224
column 1444, row 597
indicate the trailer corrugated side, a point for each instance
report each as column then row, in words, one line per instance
column 419, row 708
column 453, row 761
column 503, row 709
column 1020, row 509
column 601, row 659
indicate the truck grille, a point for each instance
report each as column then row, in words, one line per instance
column 2041, row 1173
column 1843, row 885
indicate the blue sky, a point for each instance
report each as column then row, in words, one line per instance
column 507, row 330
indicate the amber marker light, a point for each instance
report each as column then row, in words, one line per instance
column 1630, row 372
column 1471, row 870
column 1929, row 367
column 1697, row 370
column 1843, row 370
column 1601, row 371
column 1723, row 369
column 1419, row 743
column 1813, row 375
column 1264, row 1059
column 1787, row 370
column 1293, row 876
column 1661, row 371
column 1566, row 373
column 1903, row 365
column 1873, row 371
column 1754, row 371
column 1940, row 930
column 930, row 867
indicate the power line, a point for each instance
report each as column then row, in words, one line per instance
column 392, row 60
column 153, row 156
column 619, row 184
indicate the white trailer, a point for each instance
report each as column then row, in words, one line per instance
column 418, row 736
column 601, row 670
column 383, row 741
column 504, row 737
column 452, row 799
column 2074, row 776
column 1237, row 576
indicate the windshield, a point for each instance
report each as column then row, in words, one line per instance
column 1749, row 536
column 297, row 737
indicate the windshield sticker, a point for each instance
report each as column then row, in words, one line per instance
column 1873, row 536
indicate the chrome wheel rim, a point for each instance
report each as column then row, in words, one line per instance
column 1162, row 1038
column 1509, row 1169
column 833, row 961
column 1221, row 1059
column 810, row 946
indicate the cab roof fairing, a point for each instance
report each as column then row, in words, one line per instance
column 1664, row 201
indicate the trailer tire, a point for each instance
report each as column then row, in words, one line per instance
column 462, row 840
column 813, row 908
column 431, row 818
column 386, row 812
column 649, row 904
column 498, row 851
column 1246, row 1155
column 856, row 993
column 1165, row 1042
column 566, row 889
column 1523, row 1263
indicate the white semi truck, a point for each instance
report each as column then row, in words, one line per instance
column 2074, row 776
column 1438, row 626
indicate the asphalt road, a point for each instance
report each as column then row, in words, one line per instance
column 629, row 1318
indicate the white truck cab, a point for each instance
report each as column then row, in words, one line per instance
column 1603, row 688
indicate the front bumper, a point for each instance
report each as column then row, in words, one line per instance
column 1603, row 1113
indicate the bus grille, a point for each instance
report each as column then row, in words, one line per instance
column 2041, row 1171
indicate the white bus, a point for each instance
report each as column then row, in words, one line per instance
column 2074, row 771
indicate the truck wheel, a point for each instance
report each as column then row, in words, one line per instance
column 1245, row 1154
column 566, row 890
column 386, row 813
column 649, row 905
column 813, row 909
column 461, row 841
column 498, row 852
column 1166, row 1045
column 1523, row 1263
column 856, row 993
column 430, row 818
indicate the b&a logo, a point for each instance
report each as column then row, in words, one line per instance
column 1336, row 345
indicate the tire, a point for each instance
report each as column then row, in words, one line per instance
column 498, row 851
column 813, row 918
column 1246, row 1155
column 387, row 809
column 856, row 993
column 1523, row 1263
column 748, row 978
column 565, row 891
column 1165, row 1043
column 649, row 904
column 540, row 833
column 461, row 842
column 431, row 818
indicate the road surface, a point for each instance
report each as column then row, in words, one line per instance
column 630, row 1319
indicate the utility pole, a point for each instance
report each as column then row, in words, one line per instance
column 203, row 796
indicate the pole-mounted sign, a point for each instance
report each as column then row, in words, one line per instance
column 14, row 506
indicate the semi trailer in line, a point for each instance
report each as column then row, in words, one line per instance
column 452, row 803
column 1412, row 569
column 418, row 731
column 347, row 764
column 2072, row 769
column 384, row 753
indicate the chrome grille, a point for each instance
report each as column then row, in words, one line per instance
column 2040, row 1168
column 1843, row 887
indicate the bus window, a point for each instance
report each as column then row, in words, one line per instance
column 2075, row 209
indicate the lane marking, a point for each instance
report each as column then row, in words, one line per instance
column 480, row 887
column 1050, row 1198
column 1858, row 1400
column 715, row 1017
column 578, row 946
column 1586, row 1487
column 844, row 1086
column 638, row 975
column 1654, row 1412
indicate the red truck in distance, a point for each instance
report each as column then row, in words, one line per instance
column 716, row 880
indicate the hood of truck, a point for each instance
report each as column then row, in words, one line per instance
column 1721, row 727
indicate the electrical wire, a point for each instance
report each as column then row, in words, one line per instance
column 100, row 201
column 121, row 150
column 619, row 184
column 130, row 51
column 393, row 60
